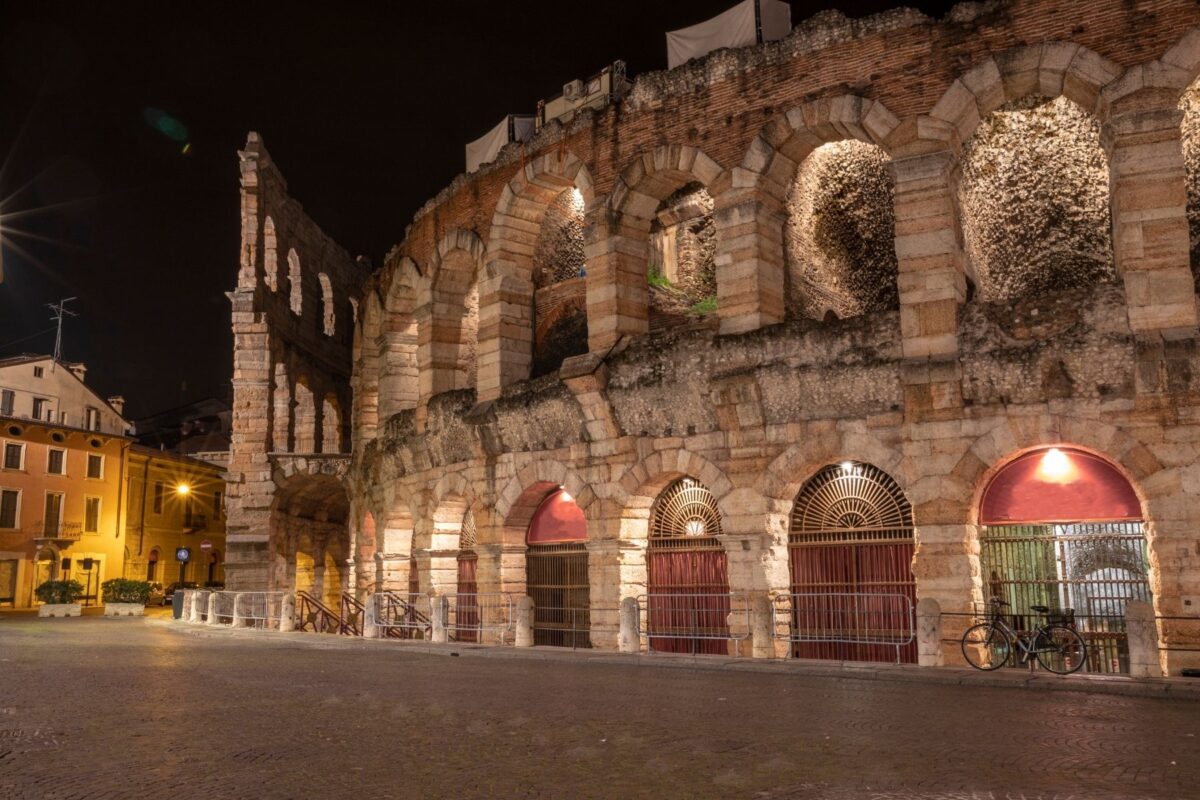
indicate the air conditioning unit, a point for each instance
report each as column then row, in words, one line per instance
column 573, row 90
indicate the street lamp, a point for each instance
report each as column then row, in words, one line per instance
column 182, row 554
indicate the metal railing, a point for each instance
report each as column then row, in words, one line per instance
column 259, row 609
column 697, row 623
column 41, row 529
column 558, row 626
column 314, row 616
column 479, row 616
column 399, row 615
column 223, row 610
column 851, row 626
column 351, row 613
column 199, row 603
column 1104, row 634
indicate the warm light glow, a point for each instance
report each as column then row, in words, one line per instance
column 566, row 495
column 847, row 467
column 182, row 489
column 1055, row 465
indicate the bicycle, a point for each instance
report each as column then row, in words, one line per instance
column 1057, row 647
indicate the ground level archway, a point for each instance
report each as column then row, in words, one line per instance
column 556, row 572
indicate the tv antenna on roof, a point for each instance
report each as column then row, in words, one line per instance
column 59, row 313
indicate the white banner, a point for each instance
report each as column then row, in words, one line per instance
column 734, row 28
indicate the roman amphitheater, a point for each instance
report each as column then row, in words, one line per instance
column 771, row 350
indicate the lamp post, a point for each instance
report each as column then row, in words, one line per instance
column 182, row 490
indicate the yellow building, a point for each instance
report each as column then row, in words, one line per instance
column 174, row 502
column 62, row 466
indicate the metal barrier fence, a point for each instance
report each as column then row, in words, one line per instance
column 853, row 626
column 199, row 603
column 401, row 616
column 259, row 609
column 562, row 627
column 697, row 623
column 479, row 616
column 224, row 606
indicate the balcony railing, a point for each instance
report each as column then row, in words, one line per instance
column 63, row 531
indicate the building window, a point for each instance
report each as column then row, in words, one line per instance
column 7, row 399
column 95, row 468
column 39, row 409
column 152, row 567
column 91, row 515
column 56, row 461
column 159, row 491
column 38, row 372
column 92, row 423
column 216, row 505
column 10, row 506
column 62, row 418
column 14, row 455
column 188, row 513
column 52, row 521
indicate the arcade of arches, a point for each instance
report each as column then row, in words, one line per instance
column 746, row 343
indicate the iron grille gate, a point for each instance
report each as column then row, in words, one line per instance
column 852, row 536
column 556, row 578
column 1092, row 568
column 688, row 600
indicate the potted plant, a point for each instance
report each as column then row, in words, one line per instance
column 58, row 598
column 125, row 598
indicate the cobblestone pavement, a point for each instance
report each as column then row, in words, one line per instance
column 101, row 708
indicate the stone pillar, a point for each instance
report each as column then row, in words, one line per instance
column 762, row 628
column 185, row 614
column 524, row 622
column 749, row 259
column 287, row 613
column 1149, row 212
column 1142, row 630
column 617, row 292
column 238, row 620
column 439, row 615
column 369, row 630
column 505, row 343
column 213, row 618
column 629, row 639
column 929, row 632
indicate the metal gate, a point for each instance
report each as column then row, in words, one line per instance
column 556, row 579
column 1094, row 568
column 851, row 536
column 688, row 601
column 466, row 611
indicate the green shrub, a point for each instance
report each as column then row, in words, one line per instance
column 59, row 592
column 706, row 306
column 656, row 278
column 123, row 590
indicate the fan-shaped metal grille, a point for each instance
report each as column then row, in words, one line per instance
column 466, row 539
column 685, row 510
column 851, row 502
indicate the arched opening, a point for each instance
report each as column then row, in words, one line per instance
column 466, row 610
column 367, row 367
column 46, row 568
column 1063, row 528
column 270, row 254
column 281, row 410
column 304, row 426
column 306, row 572
column 1034, row 200
column 152, row 566
column 556, row 572
column 1190, row 136
column 295, row 289
column 308, row 525
column 331, row 425
column 328, row 313
column 455, row 334
column 216, row 575
column 399, row 376
column 839, row 239
column 559, row 280
column 850, row 547
column 681, row 266
column 688, row 574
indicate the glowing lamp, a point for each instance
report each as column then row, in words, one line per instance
column 1056, row 465
column 182, row 489
column 847, row 467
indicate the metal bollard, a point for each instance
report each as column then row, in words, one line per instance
column 287, row 612
column 439, row 614
column 628, row 637
column 523, row 635
column 212, row 610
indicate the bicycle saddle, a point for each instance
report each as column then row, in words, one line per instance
column 1000, row 602
column 1039, row 609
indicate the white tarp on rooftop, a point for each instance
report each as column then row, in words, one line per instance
column 733, row 28
column 483, row 150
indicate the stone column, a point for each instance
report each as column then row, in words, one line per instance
column 439, row 615
column 929, row 632
column 946, row 568
column 523, row 636
column 238, row 620
column 287, row 613
column 629, row 639
column 212, row 618
column 617, row 292
column 505, row 342
column 749, row 261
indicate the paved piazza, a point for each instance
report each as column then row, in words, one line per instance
column 96, row 708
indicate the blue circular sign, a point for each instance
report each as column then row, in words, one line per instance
column 183, row 554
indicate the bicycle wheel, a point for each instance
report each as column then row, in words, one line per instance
column 1060, row 649
column 986, row 647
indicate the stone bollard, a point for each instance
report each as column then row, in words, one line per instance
column 1143, row 640
column 194, row 605
column 523, row 636
column 238, row 620
column 212, row 610
column 439, row 616
column 762, row 634
column 185, row 613
column 287, row 612
column 929, row 632
column 628, row 638
column 369, row 629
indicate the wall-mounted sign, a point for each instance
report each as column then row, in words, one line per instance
column 206, row 544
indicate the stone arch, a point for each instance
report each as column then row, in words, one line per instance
column 328, row 313
column 517, row 502
column 399, row 377
column 451, row 499
column 270, row 254
column 618, row 261
column 449, row 327
column 295, row 283
column 643, row 482
column 367, row 368
column 304, row 417
column 751, row 219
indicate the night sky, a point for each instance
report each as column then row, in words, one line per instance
column 365, row 108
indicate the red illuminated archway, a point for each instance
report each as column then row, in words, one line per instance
column 556, row 572
column 1058, row 484
column 557, row 519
